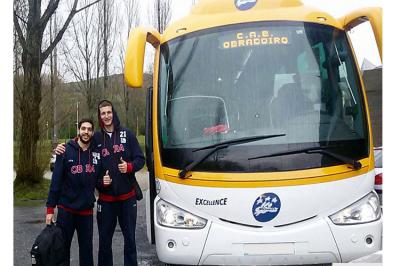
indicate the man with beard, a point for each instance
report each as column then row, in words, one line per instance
column 72, row 191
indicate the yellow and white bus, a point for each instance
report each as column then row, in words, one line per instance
column 258, row 136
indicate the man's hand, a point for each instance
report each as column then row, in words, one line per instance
column 60, row 149
column 107, row 179
column 49, row 218
column 123, row 166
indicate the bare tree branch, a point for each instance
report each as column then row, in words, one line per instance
column 51, row 8
column 18, row 92
column 161, row 14
column 73, row 12
column 49, row 49
column 79, row 10
column 19, row 32
column 20, row 18
column 82, row 61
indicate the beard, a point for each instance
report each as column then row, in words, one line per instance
column 84, row 141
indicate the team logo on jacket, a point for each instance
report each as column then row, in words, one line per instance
column 77, row 169
column 118, row 148
column 245, row 4
column 105, row 152
column 96, row 157
column 266, row 207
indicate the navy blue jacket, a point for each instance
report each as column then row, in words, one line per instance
column 122, row 143
column 74, row 178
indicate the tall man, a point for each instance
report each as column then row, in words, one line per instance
column 72, row 191
column 121, row 157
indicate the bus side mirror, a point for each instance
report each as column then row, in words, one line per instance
column 134, row 57
column 373, row 14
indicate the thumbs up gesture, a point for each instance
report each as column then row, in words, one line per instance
column 107, row 179
column 122, row 166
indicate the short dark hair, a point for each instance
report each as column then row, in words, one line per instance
column 85, row 120
column 104, row 103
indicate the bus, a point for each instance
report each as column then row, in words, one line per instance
column 258, row 136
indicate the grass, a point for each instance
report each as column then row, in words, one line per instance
column 32, row 195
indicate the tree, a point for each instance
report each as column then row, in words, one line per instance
column 53, row 77
column 99, row 48
column 30, row 37
column 22, row 9
column 162, row 14
column 83, row 59
column 109, row 27
column 131, row 17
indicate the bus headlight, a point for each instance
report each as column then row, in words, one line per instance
column 172, row 216
column 365, row 210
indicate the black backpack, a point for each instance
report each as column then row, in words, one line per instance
column 49, row 248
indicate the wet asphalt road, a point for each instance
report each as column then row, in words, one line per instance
column 29, row 221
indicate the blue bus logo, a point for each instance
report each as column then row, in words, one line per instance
column 245, row 4
column 266, row 207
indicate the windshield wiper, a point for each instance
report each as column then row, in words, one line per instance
column 356, row 165
column 219, row 146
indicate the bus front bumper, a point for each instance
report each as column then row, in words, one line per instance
column 311, row 242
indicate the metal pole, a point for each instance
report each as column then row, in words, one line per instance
column 77, row 117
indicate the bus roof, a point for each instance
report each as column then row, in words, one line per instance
column 211, row 13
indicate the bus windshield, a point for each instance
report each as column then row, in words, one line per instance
column 291, row 78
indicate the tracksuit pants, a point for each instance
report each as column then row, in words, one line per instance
column 107, row 215
column 83, row 224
